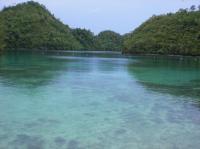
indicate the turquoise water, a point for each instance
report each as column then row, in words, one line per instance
column 98, row 101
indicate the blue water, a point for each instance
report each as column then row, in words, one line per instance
column 98, row 101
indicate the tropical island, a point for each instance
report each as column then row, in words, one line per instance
column 31, row 26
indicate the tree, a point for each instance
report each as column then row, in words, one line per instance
column 193, row 8
column 182, row 10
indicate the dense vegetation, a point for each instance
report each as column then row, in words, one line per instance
column 86, row 38
column 109, row 40
column 106, row 40
column 2, row 43
column 177, row 34
column 31, row 26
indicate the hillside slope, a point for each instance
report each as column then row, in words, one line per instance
column 31, row 26
column 176, row 34
column 109, row 40
column 86, row 38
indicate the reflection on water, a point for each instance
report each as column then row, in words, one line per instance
column 77, row 100
column 174, row 75
column 28, row 70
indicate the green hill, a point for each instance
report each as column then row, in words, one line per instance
column 105, row 40
column 86, row 38
column 109, row 40
column 31, row 26
column 177, row 34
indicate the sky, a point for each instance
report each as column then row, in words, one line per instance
column 122, row 16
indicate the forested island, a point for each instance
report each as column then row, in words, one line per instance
column 170, row 34
column 31, row 26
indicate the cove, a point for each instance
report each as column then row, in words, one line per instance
column 97, row 100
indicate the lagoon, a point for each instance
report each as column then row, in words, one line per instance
column 97, row 100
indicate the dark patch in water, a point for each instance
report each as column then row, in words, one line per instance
column 95, row 104
column 106, row 119
column 2, row 125
column 120, row 131
column 33, row 124
column 59, row 141
column 29, row 142
column 73, row 144
column 42, row 120
column 100, row 145
column 53, row 121
column 3, row 137
column 187, row 90
column 157, row 120
column 195, row 81
column 89, row 114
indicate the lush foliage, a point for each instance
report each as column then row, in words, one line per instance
column 177, row 33
column 106, row 40
column 30, row 25
column 109, row 40
column 86, row 38
column 2, row 43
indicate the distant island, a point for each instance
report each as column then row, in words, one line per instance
column 31, row 26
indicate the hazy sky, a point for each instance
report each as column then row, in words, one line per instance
column 119, row 15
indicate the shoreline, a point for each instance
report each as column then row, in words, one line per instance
column 63, row 51
column 101, row 52
column 160, row 55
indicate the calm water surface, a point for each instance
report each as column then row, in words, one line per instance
column 98, row 101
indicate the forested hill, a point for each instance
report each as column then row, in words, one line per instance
column 176, row 34
column 105, row 40
column 86, row 38
column 109, row 40
column 30, row 25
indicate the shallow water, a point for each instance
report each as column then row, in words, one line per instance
column 98, row 101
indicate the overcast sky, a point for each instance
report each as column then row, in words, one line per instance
column 119, row 15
